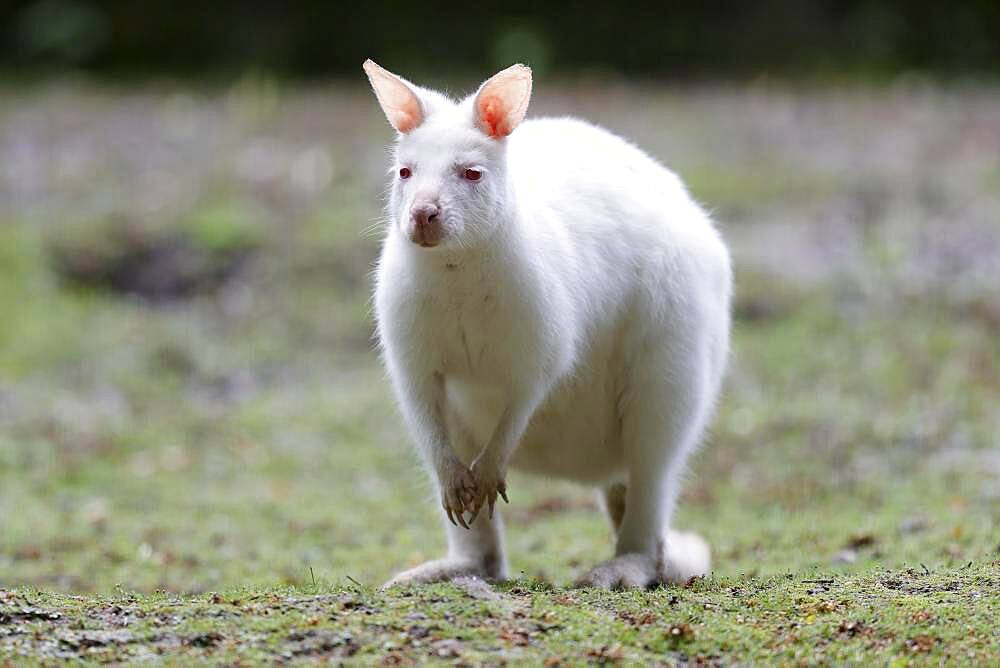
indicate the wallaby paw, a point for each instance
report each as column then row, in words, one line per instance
column 682, row 556
column 490, row 483
column 628, row 571
column 439, row 570
column 458, row 494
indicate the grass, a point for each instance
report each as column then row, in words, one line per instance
column 241, row 439
column 898, row 617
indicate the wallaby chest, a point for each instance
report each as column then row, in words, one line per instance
column 468, row 321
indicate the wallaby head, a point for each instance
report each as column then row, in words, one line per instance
column 449, row 185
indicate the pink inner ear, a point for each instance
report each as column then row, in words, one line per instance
column 399, row 102
column 492, row 116
column 407, row 117
column 503, row 101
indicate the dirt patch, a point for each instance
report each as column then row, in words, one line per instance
column 127, row 256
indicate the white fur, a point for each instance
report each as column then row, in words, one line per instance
column 573, row 322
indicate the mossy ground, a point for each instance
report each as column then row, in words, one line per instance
column 241, row 439
column 879, row 617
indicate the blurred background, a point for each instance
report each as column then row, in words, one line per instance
column 190, row 202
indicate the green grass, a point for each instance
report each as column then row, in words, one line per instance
column 908, row 617
column 243, row 441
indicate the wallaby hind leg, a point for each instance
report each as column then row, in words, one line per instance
column 667, row 402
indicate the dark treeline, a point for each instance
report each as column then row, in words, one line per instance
column 326, row 37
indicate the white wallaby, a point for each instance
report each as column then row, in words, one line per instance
column 549, row 298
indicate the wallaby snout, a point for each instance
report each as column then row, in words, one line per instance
column 427, row 230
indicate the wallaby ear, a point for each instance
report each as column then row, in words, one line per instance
column 398, row 100
column 502, row 101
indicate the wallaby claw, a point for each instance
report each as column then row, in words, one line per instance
column 458, row 494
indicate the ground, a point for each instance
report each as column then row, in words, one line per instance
column 199, row 456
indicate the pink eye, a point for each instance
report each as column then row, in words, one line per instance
column 405, row 173
column 473, row 174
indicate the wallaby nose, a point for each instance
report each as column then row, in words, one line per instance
column 425, row 214
column 427, row 230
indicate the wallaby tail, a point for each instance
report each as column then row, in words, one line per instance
column 685, row 555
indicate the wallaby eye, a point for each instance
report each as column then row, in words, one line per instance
column 473, row 174
column 405, row 173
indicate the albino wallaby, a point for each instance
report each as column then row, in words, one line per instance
column 548, row 298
